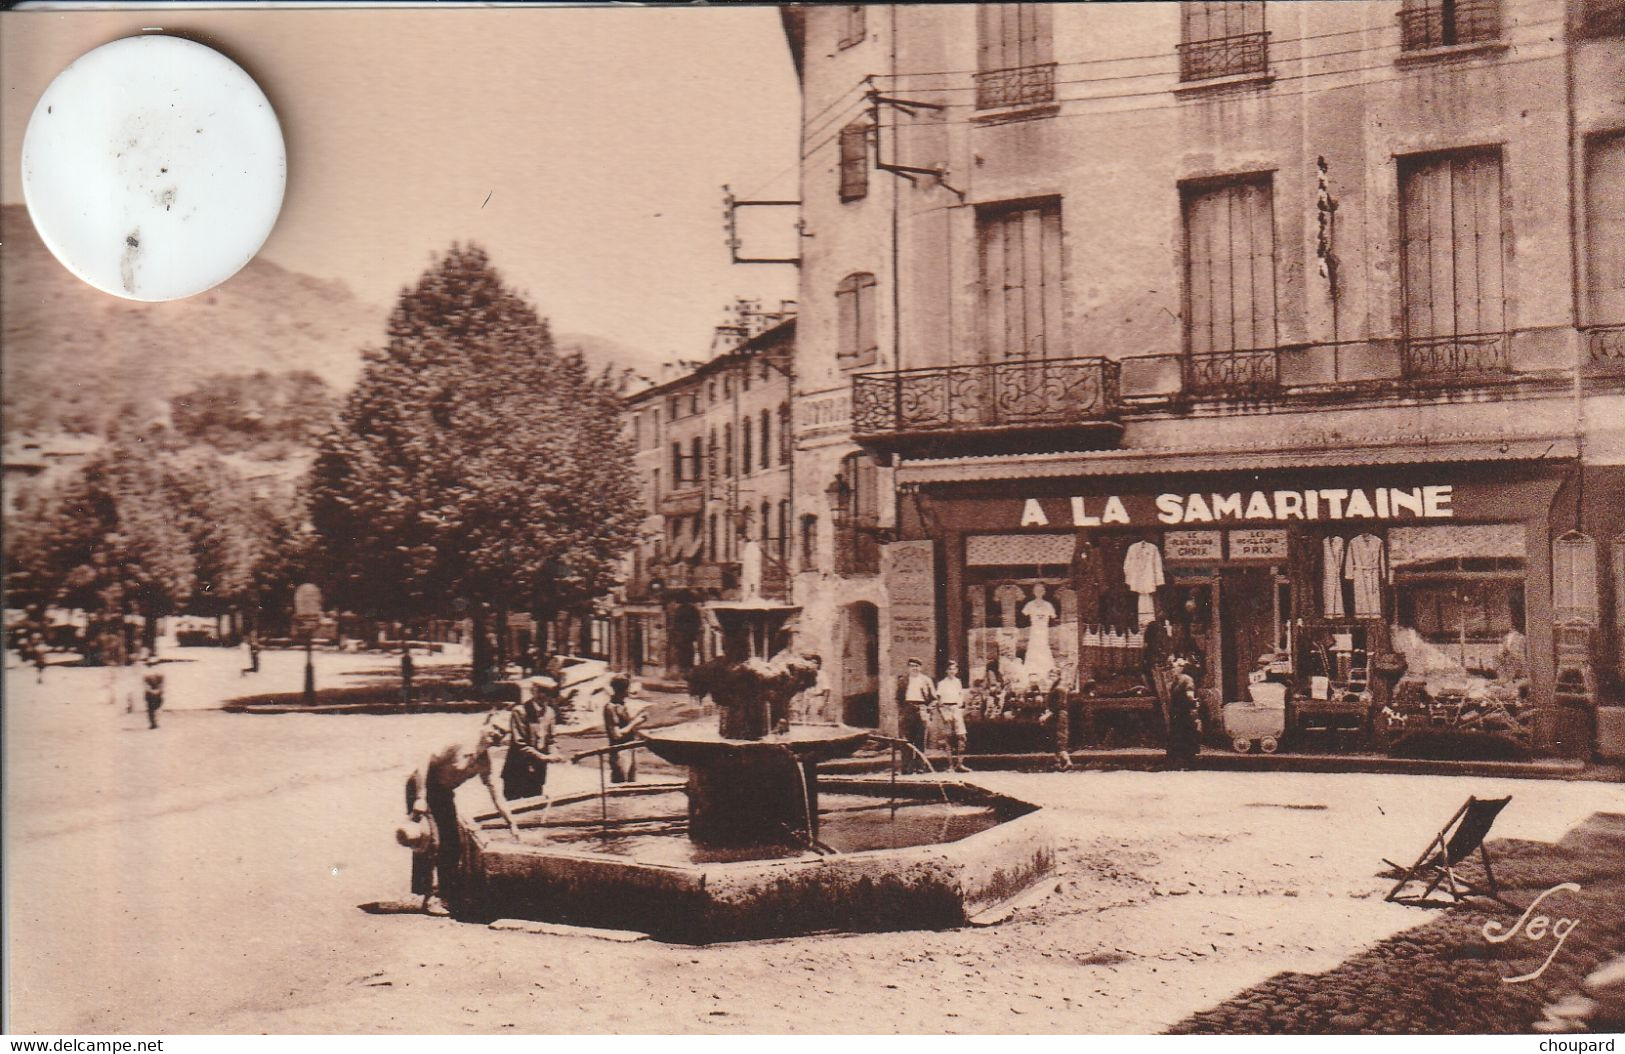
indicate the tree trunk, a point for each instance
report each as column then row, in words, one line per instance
column 480, row 650
column 502, row 641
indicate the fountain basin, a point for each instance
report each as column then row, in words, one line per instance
column 925, row 864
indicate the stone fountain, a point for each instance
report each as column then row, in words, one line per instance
column 755, row 843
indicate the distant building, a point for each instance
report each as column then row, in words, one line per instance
column 32, row 461
column 713, row 457
column 1302, row 323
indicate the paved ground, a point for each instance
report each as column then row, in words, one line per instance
column 207, row 877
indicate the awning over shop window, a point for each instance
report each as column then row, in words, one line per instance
column 1408, row 546
column 1004, row 550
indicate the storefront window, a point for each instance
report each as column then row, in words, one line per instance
column 1459, row 600
column 1021, row 609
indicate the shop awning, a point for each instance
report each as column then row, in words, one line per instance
column 1138, row 462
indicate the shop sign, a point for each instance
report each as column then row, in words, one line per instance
column 1267, row 506
column 1191, row 547
column 1258, row 543
column 911, row 592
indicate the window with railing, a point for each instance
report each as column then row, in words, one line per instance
column 1230, row 302
column 853, row 25
column 1015, row 56
column 857, row 343
column 1453, row 244
column 856, row 507
column 1022, row 294
column 1222, row 39
column 1594, row 19
column 854, row 168
column 1605, row 252
column 1425, row 24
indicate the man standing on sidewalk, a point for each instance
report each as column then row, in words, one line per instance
column 152, row 688
column 915, row 694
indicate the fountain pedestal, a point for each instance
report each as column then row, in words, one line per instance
column 745, row 792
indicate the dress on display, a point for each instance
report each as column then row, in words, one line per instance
column 1331, row 578
column 1365, row 566
column 1038, row 661
column 1142, row 571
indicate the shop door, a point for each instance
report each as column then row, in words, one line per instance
column 1246, row 626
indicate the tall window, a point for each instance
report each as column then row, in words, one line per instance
column 767, row 524
column 1222, row 39
column 1442, row 23
column 676, row 463
column 695, row 459
column 855, row 160
column 767, row 446
column 784, row 530
column 809, row 543
column 1229, row 267
column 1605, row 229
column 1453, row 258
column 854, row 24
column 728, row 450
column 857, row 514
column 855, row 320
column 1021, row 282
column 745, row 449
column 711, row 539
column 712, row 467
column 1015, row 58
column 784, row 437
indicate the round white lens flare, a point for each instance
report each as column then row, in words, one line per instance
column 153, row 168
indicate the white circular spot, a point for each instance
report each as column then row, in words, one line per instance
column 153, row 168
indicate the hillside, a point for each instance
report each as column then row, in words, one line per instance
column 73, row 355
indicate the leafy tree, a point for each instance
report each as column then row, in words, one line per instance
column 472, row 462
column 267, row 414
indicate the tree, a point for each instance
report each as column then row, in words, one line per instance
column 472, row 462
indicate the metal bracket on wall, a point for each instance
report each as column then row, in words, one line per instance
column 731, row 206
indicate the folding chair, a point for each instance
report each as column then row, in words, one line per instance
column 1456, row 841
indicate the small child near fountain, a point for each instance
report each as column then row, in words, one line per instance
column 621, row 727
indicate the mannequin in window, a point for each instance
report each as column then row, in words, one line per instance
column 1039, row 662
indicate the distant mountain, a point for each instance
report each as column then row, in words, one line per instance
column 72, row 356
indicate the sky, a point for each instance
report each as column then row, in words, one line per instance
column 584, row 148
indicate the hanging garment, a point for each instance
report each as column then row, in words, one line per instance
column 1142, row 570
column 1039, row 661
column 1365, row 566
column 1331, row 578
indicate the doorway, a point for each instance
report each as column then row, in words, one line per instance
column 1247, row 626
column 685, row 638
column 860, row 666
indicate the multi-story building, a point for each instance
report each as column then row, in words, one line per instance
column 1300, row 323
column 713, row 454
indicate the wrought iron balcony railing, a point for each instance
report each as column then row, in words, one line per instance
column 1461, row 355
column 1017, row 86
column 1224, row 56
column 1013, row 394
column 1235, row 374
column 1445, row 23
column 1605, row 349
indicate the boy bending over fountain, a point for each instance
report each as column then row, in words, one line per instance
column 432, row 791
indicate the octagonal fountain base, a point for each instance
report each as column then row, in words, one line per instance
column 909, row 855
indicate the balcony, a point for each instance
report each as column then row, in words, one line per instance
column 708, row 578
column 1224, row 57
column 1605, row 349
column 1022, row 405
column 1240, row 374
column 1017, row 86
column 1455, row 358
column 1433, row 24
column 689, row 501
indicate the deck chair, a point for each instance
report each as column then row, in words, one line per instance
column 1456, row 841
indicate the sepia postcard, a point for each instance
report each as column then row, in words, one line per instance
column 799, row 519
